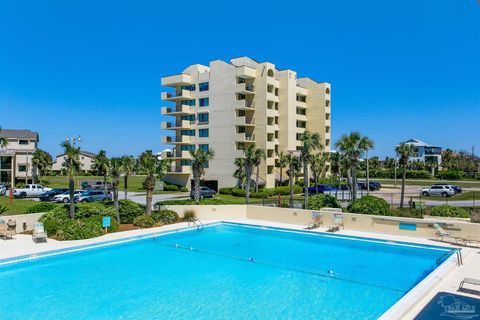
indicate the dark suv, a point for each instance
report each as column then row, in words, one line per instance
column 48, row 196
column 205, row 192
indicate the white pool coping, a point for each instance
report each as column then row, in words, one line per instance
column 405, row 308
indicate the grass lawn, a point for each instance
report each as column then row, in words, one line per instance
column 17, row 207
column 135, row 183
column 230, row 199
column 429, row 182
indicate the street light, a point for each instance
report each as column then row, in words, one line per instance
column 74, row 140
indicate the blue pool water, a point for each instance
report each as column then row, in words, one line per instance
column 210, row 274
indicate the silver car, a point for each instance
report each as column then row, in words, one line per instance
column 438, row 190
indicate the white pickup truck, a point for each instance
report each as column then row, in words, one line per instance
column 30, row 190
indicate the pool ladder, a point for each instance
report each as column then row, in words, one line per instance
column 459, row 257
column 197, row 223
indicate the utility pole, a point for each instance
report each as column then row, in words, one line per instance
column 73, row 141
column 368, row 177
column 395, row 174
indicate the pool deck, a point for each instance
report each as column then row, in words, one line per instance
column 446, row 280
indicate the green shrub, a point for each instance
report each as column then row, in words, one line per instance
column 323, row 201
column 225, row 190
column 79, row 229
column 184, row 189
column 285, row 190
column 206, row 201
column 369, row 205
column 3, row 208
column 260, row 194
column 94, row 209
column 237, row 192
column 451, row 174
column 144, row 221
column 449, row 211
column 417, row 174
column 128, row 210
column 165, row 216
column 189, row 215
column 54, row 219
column 41, row 207
column 170, row 187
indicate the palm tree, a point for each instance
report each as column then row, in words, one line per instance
column 404, row 151
column 252, row 157
column 153, row 168
column 281, row 163
column 352, row 147
column 71, row 166
column 3, row 140
column 310, row 143
column 294, row 166
column 128, row 163
column 259, row 155
column 318, row 165
column 239, row 172
column 116, row 170
column 101, row 165
column 42, row 161
column 200, row 159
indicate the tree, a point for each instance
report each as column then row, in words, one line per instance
column 294, row 164
column 252, row 158
column 100, row 165
column 153, row 168
column 239, row 172
column 281, row 163
column 352, row 148
column 42, row 161
column 200, row 159
column 404, row 151
column 116, row 169
column 71, row 166
column 3, row 140
column 128, row 163
column 310, row 143
column 259, row 155
column 318, row 165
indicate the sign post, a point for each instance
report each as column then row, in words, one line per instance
column 106, row 223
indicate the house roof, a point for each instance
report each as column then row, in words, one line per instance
column 83, row 153
column 418, row 143
column 19, row 134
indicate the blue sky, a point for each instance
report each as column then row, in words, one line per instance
column 399, row 70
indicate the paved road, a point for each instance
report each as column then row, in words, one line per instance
column 141, row 198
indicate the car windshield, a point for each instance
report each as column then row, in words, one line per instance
column 84, row 194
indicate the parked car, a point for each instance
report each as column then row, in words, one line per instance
column 373, row 185
column 435, row 190
column 65, row 197
column 205, row 192
column 3, row 190
column 457, row 189
column 30, row 190
column 48, row 196
column 92, row 196
column 320, row 188
column 95, row 185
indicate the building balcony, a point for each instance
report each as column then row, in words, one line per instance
column 245, row 137
column 245, row 121
column 177, row 110
column 244, row 88
column 177, row 80
column 272, row 97
column 177, row 95
column 182, row 124
column 182, row 155
column 180, row 170
column 244, row 105
column 272, row 81
column 246, row 72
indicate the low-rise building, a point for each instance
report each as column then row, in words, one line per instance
column 425, row 152
column 86, row 161
column 16, row 156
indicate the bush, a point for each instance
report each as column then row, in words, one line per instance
column 94, row 209
column 225, row 190
column 144, row 221
column 237, row 192
column 285, row 190
column 41, row 207
column 322, row 201
column 80, row 229
column 261, row 194
column 449, row 211
column 54, row 219
column 170, row 187
column 369, row 205
column 129, row 210
column 184, row 189
column 190, row 201
column 417, row 174
column 451, row 174
column 165, row 216
column 3, row 208
column 189, row 215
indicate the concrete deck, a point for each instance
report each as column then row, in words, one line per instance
column 447, row 281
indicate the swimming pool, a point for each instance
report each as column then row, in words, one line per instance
column 225, row 270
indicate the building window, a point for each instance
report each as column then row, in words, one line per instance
column 327, row 103
column 204, row 102
column 22, row 168
column 187, row 133
column 270, row 73
column 203, row 147
column 203, row 133
column 327, row 116
column 186, row 162
column 301, row 98
column 23, row 142
column 190, row 117
column 301, row 124
column 240, row 80
column 190, row 102
column 299, row 136
column 203, row 117
column 327, row 91
column 188, row 147
column 241, row 130
column 301, row 111
column 203, row 86
column 190, row 87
